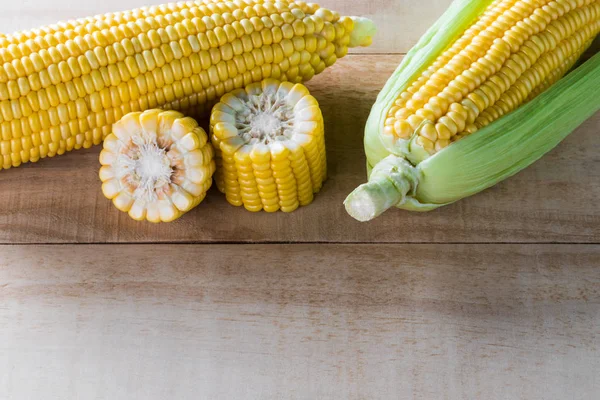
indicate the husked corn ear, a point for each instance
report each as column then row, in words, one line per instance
column 270, row 146
column 156, row 165
column 503, row 60
column 481, row 96
column 63, row 86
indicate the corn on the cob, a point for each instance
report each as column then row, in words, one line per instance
column 63, row 86
column 480, row 61
column 156, row 165
column 270, row 146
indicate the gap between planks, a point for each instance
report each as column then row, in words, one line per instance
column 276, row 243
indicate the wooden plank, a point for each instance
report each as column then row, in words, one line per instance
column 300, row 322
column 400, row 22
column 555, row 200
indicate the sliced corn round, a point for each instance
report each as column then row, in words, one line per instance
column 270, row 146
column 156, row 165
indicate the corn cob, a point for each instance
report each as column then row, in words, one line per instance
column 481, row 61
column 156, row 165
column 270, row 146
column 63, row 86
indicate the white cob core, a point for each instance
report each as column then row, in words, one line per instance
column 147, row 168
column 268, row 118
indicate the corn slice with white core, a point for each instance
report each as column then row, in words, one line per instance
column 156, row 165
column 270, row 146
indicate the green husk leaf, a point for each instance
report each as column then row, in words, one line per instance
column 512, row 142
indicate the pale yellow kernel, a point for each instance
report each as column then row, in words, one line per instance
column 428, row 131
column 425, row 143
column 442, row 143
column 415, row 121
column 403, row 129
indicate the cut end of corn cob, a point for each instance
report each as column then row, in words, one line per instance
column 270, row 146
column 474, row 69
column 156, row 165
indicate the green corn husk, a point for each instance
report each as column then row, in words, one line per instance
column 404, row 175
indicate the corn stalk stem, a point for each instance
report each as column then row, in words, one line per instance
column 391, row 182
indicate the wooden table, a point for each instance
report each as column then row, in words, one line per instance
column 495, row 297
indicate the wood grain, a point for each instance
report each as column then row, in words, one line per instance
column 421, row 318
column 300, row 322
column 555, row 200
column 400, row 22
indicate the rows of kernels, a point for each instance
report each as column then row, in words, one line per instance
column 435, row 90
column 287, row 188
column 246, row 180
column 459, row 77
column 313, row 142
column 559, row 72
column 509, row 93
column 263, row 172
column 229, row 178
column 197, row 103
column 115, row 27
column 540, row 45
column 301, row 171
column 451, row 114
column 169, row 15
column 127, row 51
column 102, row 96
column 500, row 51
column 399, row 127
column 69, row 86
column 323, row 158
column 533, row 77
column 396, row 124
column 524, row 70
column 276, row 175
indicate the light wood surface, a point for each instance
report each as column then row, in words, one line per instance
column 300, row 322
column 495, row 297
